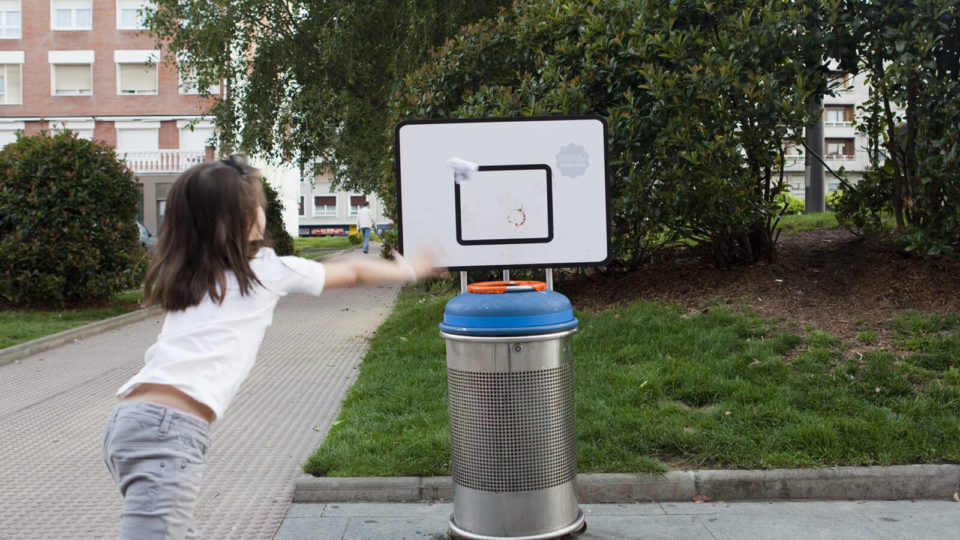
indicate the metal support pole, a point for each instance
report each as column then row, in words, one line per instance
column 463, row 281
column 549, row 276
column 813, row 192
column 506, row 275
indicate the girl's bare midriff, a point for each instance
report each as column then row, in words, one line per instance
column 163, row 394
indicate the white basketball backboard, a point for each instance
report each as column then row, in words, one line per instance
column 538, row 197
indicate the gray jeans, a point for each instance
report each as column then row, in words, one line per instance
column 156, row 456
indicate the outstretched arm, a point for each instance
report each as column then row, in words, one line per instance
column 364, row 271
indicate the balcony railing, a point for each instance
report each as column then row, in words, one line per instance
column 161, row 161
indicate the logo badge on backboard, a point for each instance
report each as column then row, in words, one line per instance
column 573, row 160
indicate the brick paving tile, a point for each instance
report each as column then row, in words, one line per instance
column 53, row 483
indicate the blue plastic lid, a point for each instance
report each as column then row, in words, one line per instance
column 508, row 314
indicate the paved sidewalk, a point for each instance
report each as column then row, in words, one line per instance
column 845, row 520
column 53, row 483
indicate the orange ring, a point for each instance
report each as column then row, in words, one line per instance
column 496, row 287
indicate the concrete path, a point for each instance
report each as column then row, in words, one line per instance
column 53, row 483
column 834, row 520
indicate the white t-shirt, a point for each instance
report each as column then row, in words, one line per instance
column 207, row 350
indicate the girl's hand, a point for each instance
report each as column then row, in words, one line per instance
column 419, row 265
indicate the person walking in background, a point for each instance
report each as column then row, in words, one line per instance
column 218, row 283
column 365, row 223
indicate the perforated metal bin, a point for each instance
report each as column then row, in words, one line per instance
column 512, row 430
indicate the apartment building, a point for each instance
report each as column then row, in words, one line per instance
column 324, row 212
column 85, row 65
column 843, row 146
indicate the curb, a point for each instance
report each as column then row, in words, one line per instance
column 899, row 482
column 23, row 350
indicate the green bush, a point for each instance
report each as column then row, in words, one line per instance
column 833, row 199
column 276, row 233
column 793, row 205
column 357, row 238
column 862, row 208
column 388, row 241
column 68, row 227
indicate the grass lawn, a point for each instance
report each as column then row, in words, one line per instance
column 21, row 326
column 659, row 389
column 314, row 247
column 792, row 223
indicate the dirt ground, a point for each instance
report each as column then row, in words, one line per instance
column 830, row 280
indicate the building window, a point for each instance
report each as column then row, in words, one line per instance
column 838, row 115
column 10, row 90
column 137, row 79
column 791, row 151
column 325, row 206
column 8, row 132
column 161, row 213
column 10, row 26
column 356, row 202
column 839, row 81
column 189, row 85
column 71, row 15
column 136, row 71
column 83, row 129
column 839, row 148
column 196, row 136
column 72, row 79
column 138, row 143
column 301, row 206
column 139, row 137
column 130, row 14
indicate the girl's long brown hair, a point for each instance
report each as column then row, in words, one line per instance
column 211, row 209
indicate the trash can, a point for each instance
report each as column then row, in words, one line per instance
column 512, row 431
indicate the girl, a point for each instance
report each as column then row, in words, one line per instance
column 218, row 285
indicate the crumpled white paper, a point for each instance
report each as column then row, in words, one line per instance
column 462, row 169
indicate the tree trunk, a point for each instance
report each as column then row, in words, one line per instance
column 892, row 149
column 911, row 181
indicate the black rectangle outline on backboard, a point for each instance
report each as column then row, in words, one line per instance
column 501, row 241
column 551, row 264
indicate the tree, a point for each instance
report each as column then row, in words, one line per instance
column 308, row 81
column 910, row 50
column 699, row 97
column 275, row 231
column 68, row 226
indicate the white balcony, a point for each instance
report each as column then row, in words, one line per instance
column 161, row 161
